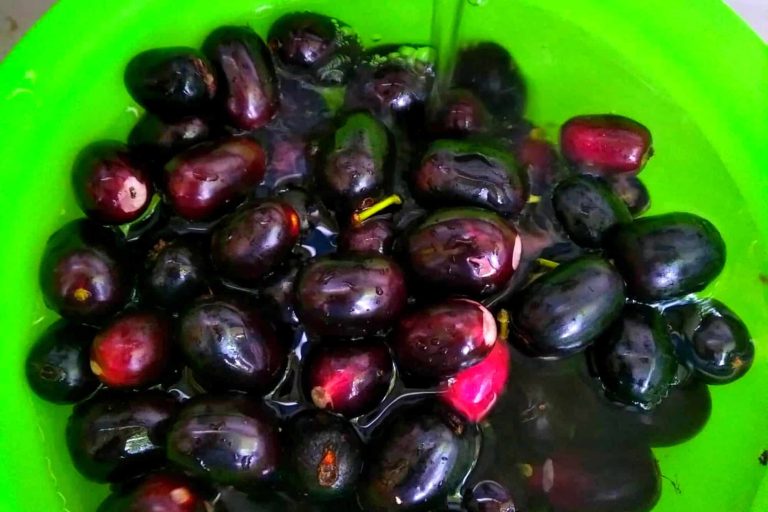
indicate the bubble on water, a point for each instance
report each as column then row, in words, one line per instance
column 376, row 37
column 477, row 3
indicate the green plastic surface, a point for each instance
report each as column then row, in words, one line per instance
column 690, row 70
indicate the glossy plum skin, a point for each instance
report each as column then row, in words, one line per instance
column 353, row 296
column 635, row 359
column 160, row 139
column 540, row 161
column 228, row 440
column 606, row 144
column 114, row 437
column 248, row 87
column 205, row 178
column 667, row 256
column 110, row 186
column 598, row 480
column 489, row 71
column 714, row 341
column 158, row 492
column 587, row 208
column 83, row 275
column 348, row 379
column 633, row 192
column 563, row 311
column 229, row 346
column 324, row 455
column 461, row 113
column 415, row 462
column 57, row 367
column 464, row 250
column 353, row 168
column 175, row 272
column 435, row 342
column 488, row 496
column 133, row 350
column 290, row 161
column 249, row 244
column 457, row 173
column 171, row 82
column 373, row 236
column 316, row 47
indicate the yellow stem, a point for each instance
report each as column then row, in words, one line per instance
column 533, row 199
column 375, row 208
column 503, row 318
column 547, row 263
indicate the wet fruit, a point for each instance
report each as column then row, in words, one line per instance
column 171, row 82
column 325, row 455
column 348, row 379
column 373, row 236
column 353, row 296
column 461, row 113
column 667, row 256
column 248, row 87
column 158, row 139
column 175, row 272
column 133, row 350
column 57, row 366
column 83, row 275
column 203, row 180
column 110, row 186
column 229, row 346
column 113, row 437
column 633, row 192
column 563, row 311
column 456, row 173
column 635, row 359
column 587, row 208
column 158, row 492
column 488, row 496
column 464, row 250
column 606, row 144
column 254, row 240
column 436, row 342
column 229, row 440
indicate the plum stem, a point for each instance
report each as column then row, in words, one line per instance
column 359, row 217
column 547, row 263
column 533, row 199
column 503, row 319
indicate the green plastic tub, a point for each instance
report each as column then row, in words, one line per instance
column 690, row 70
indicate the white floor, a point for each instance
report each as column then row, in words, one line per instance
column 18, row 15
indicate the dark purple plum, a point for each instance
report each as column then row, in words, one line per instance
column 667, row 256
column 304, row 110
column 324, row 455
column 171, row 82
column 541, row 163
column 57, row 366
column 416, row 461
column 394, row 83
column 203, row 180
column 159, row 140
column 373, row 236
column 229, row 346
column 111, row 186
column 233, row 500
column 435, row 342
column 563, row 311
column 175, row 272
column 83, row 274
column 158, row 492
column 348, row 379
column 633, row 192
column 635, row 359
column 488, row 496
column 492, row 75
column 464, row 250
column 353, row 296
column 248, row 86
column 133, row 350
column 253, row 241
column 227, row 440
column 114, row 437
column 279, row 296
column 713, row 341
column 587, row 208
column 606, row 144
column 315, row 47
column 603, row 480
column 290, row 161
column 353, row 167
column 460, row 173
column 460, row 114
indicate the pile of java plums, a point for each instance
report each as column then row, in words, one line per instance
column 311, row 280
